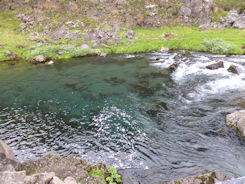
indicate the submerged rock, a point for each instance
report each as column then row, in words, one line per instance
column 215, row 66
column 236, row 120
column 205, row 178
column 233, row 69
column 141, row 89
column 114, row 80
column 153, row 108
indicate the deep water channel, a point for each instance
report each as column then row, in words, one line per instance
column 128, row 111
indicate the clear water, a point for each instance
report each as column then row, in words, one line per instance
column 96, row 108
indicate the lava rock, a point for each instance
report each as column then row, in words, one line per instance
column 236, row 120
column 233, row 69
column 215, row 66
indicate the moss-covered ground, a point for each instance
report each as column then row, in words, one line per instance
column 146, row 40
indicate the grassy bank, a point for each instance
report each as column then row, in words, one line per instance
column 228, row 41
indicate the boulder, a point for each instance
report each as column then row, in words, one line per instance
column 233, row 69
column 239, row 23
column 39, row 59
column 205, row 178
column 215, row 66
column 102, row 54
column 6, row 157
column 236, row 120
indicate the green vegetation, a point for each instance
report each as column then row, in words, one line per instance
column 183, row 38
column 220, row 13
column 216, row 46
column 146, row 40
column 230, row 4
column 112, row 177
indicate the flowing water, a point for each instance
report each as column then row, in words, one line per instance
column 127, row 111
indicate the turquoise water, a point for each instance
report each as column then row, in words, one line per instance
column 126, row 110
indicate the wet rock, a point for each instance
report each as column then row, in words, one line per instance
column 56, row 180
column 141, row 89
column 233, row 69
column 39, row 59
column 236, row 120
column 114, row 80
column 164, row 49
column 173, row 66
column 215, row 66
column 153, row 108
column 205, row 178
column 181, row 55
column 70, row 180
column 130, row 34
column 7, row 157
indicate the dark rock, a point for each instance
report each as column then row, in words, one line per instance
column 168, row 36
column 233, row 69
column 215, row 66
column 173, row 66
column 205, row 178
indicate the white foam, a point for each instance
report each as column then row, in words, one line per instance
column 217, row 81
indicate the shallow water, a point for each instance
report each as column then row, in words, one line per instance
column 101, row 110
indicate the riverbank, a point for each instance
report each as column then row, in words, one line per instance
column 23, row 46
